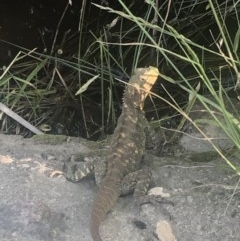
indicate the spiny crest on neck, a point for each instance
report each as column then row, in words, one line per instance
column 139, row 86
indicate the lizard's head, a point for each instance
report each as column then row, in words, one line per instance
column 140, row 86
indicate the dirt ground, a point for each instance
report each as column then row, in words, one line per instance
column 37, row 203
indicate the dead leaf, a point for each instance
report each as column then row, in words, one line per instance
column 6, row 159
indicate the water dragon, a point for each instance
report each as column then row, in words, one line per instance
column 123, row 173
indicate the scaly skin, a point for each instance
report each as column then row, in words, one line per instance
column 126, row 147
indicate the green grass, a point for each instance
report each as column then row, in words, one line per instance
column 184, row 53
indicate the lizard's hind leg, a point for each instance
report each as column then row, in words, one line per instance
column 137, row 182
column 75, row 169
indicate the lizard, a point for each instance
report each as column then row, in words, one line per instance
column 125, row 151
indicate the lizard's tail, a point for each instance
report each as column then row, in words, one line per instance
column 105, row 199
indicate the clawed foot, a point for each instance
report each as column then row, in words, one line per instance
column 75, row 172
column 153, row 200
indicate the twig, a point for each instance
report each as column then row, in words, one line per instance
column 19, row 119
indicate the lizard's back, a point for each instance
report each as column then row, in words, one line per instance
column 126, row 147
